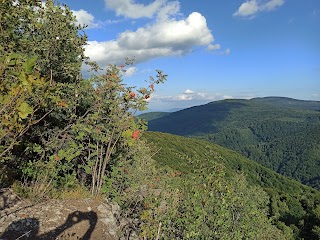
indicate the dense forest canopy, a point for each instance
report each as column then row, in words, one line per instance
column 292, row 204
column 280, row 133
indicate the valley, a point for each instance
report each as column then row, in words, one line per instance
column 280, row 133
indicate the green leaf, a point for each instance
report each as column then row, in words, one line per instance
column 29, row 64
column 24, row 110
column 23, row 79
column 12, row 63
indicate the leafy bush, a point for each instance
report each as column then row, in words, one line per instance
column 50, row 115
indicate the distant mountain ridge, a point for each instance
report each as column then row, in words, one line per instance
column 281, row 133
column 152, row 115
column 290, row 103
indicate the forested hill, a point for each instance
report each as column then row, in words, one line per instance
column 291, row 203
column 280, row 133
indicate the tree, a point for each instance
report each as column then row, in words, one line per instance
column 86, row 125
column 33, row 62
column 48, row 31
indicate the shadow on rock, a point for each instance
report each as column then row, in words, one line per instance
column 28, row 228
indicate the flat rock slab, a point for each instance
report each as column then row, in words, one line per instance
column 56, row 219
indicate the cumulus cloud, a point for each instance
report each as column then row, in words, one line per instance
column 130, row 9
column 169, row 34
column 83, row 17
column 189, row 95
column 168, row 10
column 179, row 35
column 188, row 91
column 163, row 38
column 252, row 7
column 130, row 71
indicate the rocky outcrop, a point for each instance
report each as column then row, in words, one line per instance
column 62, row 219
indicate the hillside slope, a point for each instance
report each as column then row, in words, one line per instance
column 152, row 115
column 291, row 202
column 282, row 134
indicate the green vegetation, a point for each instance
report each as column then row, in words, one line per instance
column 292, row 205
column 59, row 131
column 61, row 134
column 280, row 133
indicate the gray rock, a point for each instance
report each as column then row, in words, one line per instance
column 115, row 208
column 104, row 209
column 107, row 212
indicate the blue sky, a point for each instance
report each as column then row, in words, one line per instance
column 210, row 49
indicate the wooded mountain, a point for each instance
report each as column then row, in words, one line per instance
column 283, row 134
column 292, row 204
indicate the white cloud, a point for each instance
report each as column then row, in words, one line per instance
column 221, row 52
column 163, row 38
column 167, row 10
column 109, row 21
column 252, row 7
column 160, row 8
column 130, row 71
column 227, row 97
column 130, row 9
column 212, row 47
column 247, row 8
column 189, row 95
column 179, row 35
column 185, row 99
column 188, row 91
column 272, row 4
column 168, row 35
column 83, row 17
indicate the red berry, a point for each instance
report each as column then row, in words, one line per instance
column 132, row 94
column 135, row 134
